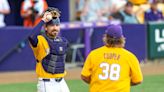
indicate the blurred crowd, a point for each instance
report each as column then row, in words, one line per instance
column 121, row 11
column 32, row 10
column 4, row 9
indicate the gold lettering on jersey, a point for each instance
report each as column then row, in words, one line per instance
column 113, row 56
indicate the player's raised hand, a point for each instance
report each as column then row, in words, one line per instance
column 47, row 16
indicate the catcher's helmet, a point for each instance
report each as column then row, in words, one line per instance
column 54, row 11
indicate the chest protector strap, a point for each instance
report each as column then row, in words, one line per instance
column 54, row 62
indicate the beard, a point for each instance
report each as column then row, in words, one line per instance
column 52, row 34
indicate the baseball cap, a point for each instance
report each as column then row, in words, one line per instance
column 55, row 21
column 114, row 31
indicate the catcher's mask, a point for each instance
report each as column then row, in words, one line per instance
column 55, row 21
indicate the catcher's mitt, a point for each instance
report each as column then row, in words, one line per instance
column 54, row 11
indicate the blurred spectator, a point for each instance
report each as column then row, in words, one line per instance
column 90, row 11
column 116, row 16
column 93, row 10
column 138, row 2
column 105, row 9
column 126, row 15
column 153, row 14
column 139, row 11
column 161, row 6
column 96, row 10
column 4, row 9
column 79, row 6
column 117, row 4
column 31, row 10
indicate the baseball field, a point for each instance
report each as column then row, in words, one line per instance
column 26, row 81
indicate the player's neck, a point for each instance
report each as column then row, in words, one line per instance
column 114, row 46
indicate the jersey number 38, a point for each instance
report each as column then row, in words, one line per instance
column 109, row 71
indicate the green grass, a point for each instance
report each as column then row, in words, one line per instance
column 152, row 83
column 19, row 87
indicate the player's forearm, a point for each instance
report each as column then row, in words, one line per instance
column 5, row 12
column 134, row 84
column 85, row 79
column 35, row 32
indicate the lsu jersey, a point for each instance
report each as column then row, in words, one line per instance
column 111, row 70
column 41, row 51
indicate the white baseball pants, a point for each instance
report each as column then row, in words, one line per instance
column 52, row 85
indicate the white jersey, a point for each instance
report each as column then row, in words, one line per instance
column 3, row 7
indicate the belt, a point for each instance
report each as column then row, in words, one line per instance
column 51, row 79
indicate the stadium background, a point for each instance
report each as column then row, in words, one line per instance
column 17, row 63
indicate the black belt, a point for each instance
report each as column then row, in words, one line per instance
column 56, row 79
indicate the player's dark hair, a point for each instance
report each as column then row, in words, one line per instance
column 113, row 42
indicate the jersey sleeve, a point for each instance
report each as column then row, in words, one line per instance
column 36, row 49
column 136, row 74
column 86, row 71
column 42, row 49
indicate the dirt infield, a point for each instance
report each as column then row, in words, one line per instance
column 30, row 76
column 72, row 73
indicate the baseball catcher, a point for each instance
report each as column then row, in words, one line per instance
column 50, row 52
